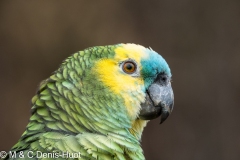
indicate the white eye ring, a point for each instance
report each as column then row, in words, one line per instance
column 130, row 67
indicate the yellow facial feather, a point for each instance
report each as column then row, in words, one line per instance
column 132, row 51
column 122, row 84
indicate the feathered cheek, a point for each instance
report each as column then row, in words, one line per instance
column 133, row 102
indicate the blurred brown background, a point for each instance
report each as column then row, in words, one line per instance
column 199, row 39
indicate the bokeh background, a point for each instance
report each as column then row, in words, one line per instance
column 199, row 39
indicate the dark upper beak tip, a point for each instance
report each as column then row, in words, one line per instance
column 164, row 116
column 166, row 110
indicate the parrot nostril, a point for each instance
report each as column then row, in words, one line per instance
column 163, row 79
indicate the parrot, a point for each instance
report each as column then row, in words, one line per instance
column 96, row 105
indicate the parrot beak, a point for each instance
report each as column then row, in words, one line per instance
column 159, row 101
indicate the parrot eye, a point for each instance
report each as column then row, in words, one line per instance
column 129, row 67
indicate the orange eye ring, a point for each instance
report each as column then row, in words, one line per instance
column 129, row 67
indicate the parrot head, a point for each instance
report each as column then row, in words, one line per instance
column 136, row 77
column 141, row 77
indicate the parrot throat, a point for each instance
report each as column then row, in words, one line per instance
column 137, row 128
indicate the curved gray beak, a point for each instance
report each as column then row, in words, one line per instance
column 159, row 101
